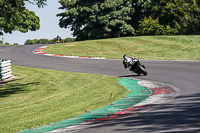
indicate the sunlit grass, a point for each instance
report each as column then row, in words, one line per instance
column 143, row 47
column 39, row 96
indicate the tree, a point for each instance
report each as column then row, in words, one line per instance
column 15, row 44
column 91, row 19
column 190, row 22
column 15, row 16
column 141, row 9
column 182, row 15
column 47, row 41
column 150, row 26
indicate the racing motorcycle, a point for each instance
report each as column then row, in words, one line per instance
column 134, row 65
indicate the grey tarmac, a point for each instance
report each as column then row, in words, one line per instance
column 180, row 115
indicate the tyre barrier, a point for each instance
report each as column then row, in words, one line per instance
column 5, row 69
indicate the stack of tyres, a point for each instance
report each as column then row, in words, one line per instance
column 5, row 69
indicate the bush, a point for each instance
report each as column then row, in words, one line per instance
column 47, row 41
column 66, row 40
column 150, row 26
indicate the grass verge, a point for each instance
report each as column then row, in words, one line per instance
column 39, row 96
column 143, row 47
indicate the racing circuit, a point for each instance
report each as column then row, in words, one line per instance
column 176, row 115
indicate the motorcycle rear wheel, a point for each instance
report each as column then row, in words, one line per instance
column 143, row 70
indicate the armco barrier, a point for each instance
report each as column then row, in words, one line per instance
column 5, row 69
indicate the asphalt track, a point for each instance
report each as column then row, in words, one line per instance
column 180, row 115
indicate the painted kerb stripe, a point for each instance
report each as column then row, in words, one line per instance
column 136, row 95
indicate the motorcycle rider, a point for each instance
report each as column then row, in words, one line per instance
column 134, row 65
column 128, row 61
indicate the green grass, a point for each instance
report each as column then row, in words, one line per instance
column 143, row 47
column 39, row 96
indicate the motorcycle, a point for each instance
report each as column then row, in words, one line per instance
column 134, row 65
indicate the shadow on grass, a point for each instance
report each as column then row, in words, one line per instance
column 7, row 89
column 182, row 116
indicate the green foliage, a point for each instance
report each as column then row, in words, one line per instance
column 7, row 43
column 190, row 22
column 47, row 41
column 150, row 26
column 15, row 16
column 96, row 19
column 15, row 44
column 66, row 40
column 182, row 15
column 1, row 43
column 37, row 41
column 39, row 3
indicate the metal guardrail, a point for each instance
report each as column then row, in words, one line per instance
column 5, row 69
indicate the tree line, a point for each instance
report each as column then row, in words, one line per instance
column 1, row 43
column 93, row 19
column 47, row 41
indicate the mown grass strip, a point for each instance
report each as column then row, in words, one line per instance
column 143, row 47
column 38, row 97
column 136, row 95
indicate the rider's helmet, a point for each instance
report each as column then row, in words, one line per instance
column 125, row 56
